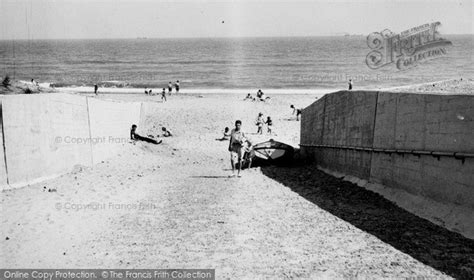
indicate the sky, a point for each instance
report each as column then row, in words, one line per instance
column 74, row 19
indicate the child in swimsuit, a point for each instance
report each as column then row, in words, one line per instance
column 269, row 125
column 163, row 95
column 259, row 122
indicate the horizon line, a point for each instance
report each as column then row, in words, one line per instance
column 216, row 37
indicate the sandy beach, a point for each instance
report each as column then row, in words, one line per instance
column 116, row 161
column 174, row 206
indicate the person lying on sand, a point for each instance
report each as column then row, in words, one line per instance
column 226, row 135
column 137, row 137
column 236, row 149
column 297, row 111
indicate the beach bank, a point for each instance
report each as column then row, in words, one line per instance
column 174, row 205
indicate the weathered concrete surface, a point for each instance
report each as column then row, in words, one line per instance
column 425, row 122
column 397, row 121
column 40, row 132
column 47, row 135
column 3, row 170
column 432, row 123
column 341, row 119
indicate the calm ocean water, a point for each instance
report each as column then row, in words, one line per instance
column 249, row 63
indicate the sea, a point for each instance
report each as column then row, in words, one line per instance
column 285, row 64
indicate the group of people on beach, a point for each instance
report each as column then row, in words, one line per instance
column 134, row 136
column 163, row 91
column 260, row 121
column 260, row 96
column 240, row 147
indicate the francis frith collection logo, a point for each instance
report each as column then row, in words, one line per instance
column 407, row 49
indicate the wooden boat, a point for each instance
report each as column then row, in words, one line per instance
column 272, row 151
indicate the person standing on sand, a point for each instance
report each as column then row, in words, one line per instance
column 170, row 88
column 236, row 149
column 259, row 123
column 96, row 88
column 350, row 84
column 176, row 85
column 163, row 95
column 269, row 125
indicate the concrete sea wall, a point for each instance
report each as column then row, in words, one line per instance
column 46, row 135
column 421, row 144
column 3, row 169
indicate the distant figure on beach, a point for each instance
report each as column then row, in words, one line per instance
column 170, row 87
column 146, row 91
column 259, row 123
column 226, row 135
column 261, row 95
column 137, row 137
column 163, row 95
column 236, row 147
column 297, row 111
column 166, row 132
column 176, row 85
column 269, row 124
column 96, row 88
column 150, row 92
column 249, row 96
column 350, row 84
